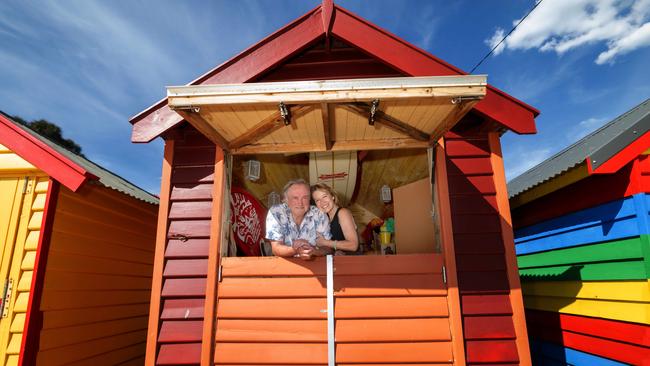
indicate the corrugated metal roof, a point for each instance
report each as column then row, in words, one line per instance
column 105, row 177
column 600, row 146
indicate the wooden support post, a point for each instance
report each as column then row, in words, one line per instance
column 516, row 299
column 325, row 115
column 443, row 212
column 159, row 256
column 214, row 254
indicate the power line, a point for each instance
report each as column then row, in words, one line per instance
column 506, row 36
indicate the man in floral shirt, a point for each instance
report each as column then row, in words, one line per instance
column 293, row 226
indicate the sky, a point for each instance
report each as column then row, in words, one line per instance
column 90, row 65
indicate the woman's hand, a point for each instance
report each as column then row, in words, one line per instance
column 322, row 242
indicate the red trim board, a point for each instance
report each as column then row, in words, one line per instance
column 39, row 154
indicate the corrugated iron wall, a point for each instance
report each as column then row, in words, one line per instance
column 97, row 280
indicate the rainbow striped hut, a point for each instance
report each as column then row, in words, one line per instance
column 76, row 251
column 582, row 238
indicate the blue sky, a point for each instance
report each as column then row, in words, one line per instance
column 90, row 65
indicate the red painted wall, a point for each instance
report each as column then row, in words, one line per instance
column 480, row 254
column 186, row 253
column 594, row 190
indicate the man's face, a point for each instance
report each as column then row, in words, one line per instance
column 298, row 199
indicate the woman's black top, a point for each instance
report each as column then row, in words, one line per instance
column 335, row 227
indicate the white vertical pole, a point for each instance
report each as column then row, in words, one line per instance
column 331, row 356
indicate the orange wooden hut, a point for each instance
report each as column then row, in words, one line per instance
column 77, row 252
column 409, row 118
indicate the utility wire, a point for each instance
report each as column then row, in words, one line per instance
column 506, row 36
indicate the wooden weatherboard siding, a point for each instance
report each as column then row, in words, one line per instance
column 488, row 308
column 388, row 309
column 585, row 281
column 25, row 216
column 95, row 294
column 185, row 264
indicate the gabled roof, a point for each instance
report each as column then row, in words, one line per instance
column 62, row 165
column 323, row 22
column 604, row 151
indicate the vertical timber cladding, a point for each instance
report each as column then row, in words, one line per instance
column 186, row 253
column 18, row 259
column 487, row 311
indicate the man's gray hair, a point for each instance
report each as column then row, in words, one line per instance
column 291, row 183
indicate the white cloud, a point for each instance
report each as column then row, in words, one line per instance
column 563, row 25
column 526, row 158
column 583, row 128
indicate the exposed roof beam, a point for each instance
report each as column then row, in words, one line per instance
column 196, row 120
column 288, row 148
column 385, row 144
column 283, row 148
column 267, row 126
column 462, row 108
column 388, row 121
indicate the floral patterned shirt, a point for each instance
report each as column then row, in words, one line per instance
column 281, row 227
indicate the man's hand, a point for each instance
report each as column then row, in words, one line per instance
column 304, row 250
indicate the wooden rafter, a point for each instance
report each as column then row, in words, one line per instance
column 388, row 121
column 196, row 120
column 267, row 126
column 325, row 114
column 452, row 118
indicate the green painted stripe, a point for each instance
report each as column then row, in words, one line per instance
column 609, row 271
column 628, row 249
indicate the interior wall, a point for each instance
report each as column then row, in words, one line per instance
column 414, row 225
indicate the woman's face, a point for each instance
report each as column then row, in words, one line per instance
column 324, row 201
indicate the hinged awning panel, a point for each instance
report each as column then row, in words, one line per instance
column 355, row 114
column 304, row 129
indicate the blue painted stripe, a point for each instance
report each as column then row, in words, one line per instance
column 611, row 211
column 612, row 221
column 547, row 350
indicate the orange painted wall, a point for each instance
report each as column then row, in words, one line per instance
column 387, row 309
column 97, row 283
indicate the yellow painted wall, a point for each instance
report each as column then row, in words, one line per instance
column 96, row 293
column 10, row 163
column 22, row 200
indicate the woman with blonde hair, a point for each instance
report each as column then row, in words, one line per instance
column 342, row 226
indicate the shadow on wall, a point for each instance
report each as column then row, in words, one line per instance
column 546, row 325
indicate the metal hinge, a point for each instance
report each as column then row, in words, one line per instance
column 26, row 185
column 219, row 273
column 6, row 297
column 444, row 274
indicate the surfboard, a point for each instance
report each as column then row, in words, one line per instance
column 337, row 169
